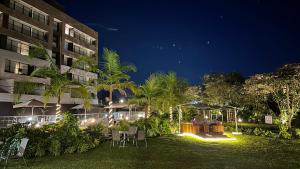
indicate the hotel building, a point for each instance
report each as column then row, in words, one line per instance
column 26, row 23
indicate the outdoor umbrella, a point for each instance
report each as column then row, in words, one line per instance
column 30, row 104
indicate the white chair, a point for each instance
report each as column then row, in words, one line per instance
column 141, row 136
column 20, row 153
column 116, row 137
column 132, row 131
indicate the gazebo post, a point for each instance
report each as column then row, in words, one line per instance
column 179, row 117
column 227, row 114
column 235, row 119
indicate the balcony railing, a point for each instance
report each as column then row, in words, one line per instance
column 21, row 48
column 17, row 47
column 26, row 30
column 29, row 12
column 81, row 37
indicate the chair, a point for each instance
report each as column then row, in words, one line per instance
column 20, row 153
column 132, row 133
column 141, row 136
column 116, row 137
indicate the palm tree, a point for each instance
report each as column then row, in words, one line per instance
column 147, row 92
column 113, row 76
column 59, row 83
column 173, row 91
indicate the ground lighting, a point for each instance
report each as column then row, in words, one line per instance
column 205, row 139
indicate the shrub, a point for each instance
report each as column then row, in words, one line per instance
column 55, row 146
column 156, row 126
column 284, row 132
column 297, row 132
column 54, row 139
column 258, row 131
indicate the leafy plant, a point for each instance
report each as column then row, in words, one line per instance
column 284, row 132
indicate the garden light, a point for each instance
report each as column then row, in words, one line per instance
column 205, row 139
column 121, row 101
column 240, row 120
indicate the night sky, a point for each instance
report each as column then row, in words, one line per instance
column 194, row 37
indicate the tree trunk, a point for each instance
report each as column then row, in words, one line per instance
column 58, row 108
column 148, row 111
column 110, row 112
column 171, row 113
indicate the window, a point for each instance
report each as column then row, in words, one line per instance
column 55, row 42
column 16, row 67
column 17, row 46
column 24, row 49
column 25, row 29
column 67, row 31
column 55, row 26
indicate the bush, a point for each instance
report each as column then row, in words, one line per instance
column 297, row 132
column 284, row 132
column 258, row 132
column 54, row 139
column 55, row 146
column 156, row 126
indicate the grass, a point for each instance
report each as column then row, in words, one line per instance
column 247, row 152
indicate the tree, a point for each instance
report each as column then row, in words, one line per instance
column 256, row 96
column 145, row 93
column 283, row 87
column 59, row 82
column 113, row 76
column 173, row 90
column 223, row 89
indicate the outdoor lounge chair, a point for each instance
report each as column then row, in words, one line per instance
column 132, row 131
column 20, row 153
column 141, row 136
column 116, row 137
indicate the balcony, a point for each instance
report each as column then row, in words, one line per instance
column 26, row 30
column 21, row 48
column 80, row 37
column 27, row 11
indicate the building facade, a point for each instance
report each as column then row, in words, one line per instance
column 26, row 23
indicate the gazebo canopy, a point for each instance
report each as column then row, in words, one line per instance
column 204, row 106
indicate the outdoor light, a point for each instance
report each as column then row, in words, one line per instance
column 37, row 125
column 206, row 117
column 121, row 101
column 206, row 139
column 240, row 120
column 29, row 118
column 126, row 118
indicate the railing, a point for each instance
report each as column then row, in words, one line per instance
column 26, row 30
column 28, row 12
column 83, row 119
column 39, row 120
column 18, row 47
column 81, row 37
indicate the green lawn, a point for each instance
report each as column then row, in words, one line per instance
column 172, row 152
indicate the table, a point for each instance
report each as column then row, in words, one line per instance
column 123, row 138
